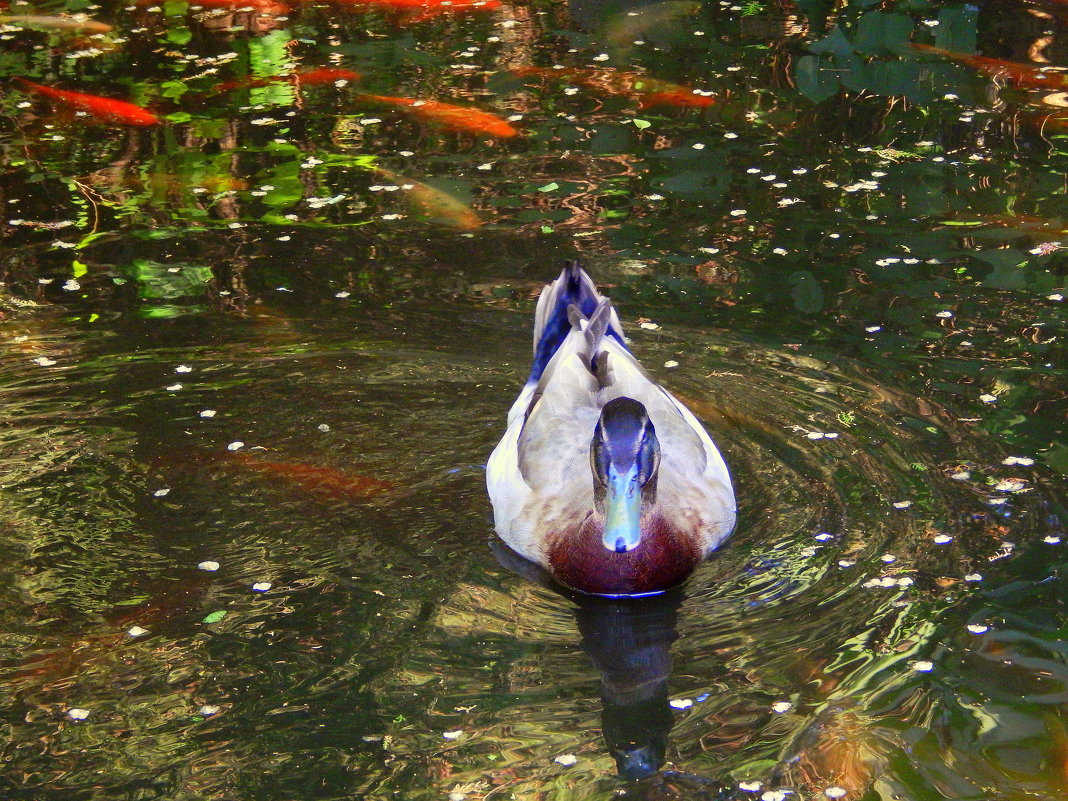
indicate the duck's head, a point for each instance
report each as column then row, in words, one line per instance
column 625, row 457
column 626, row 545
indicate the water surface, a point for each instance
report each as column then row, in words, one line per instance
column 253, row 365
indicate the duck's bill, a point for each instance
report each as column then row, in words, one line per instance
column 623, row 507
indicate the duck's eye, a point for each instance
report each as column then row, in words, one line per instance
column 599, row 461
column 648, row 455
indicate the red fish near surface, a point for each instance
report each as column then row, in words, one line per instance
column 648, row 91
column 317, row 76
column 680, row 97
column 456, row 118
column 1024, row 75
column 103, row 109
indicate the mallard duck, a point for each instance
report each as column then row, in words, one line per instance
column 603, row 478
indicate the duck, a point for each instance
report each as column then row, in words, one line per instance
column 603, row 478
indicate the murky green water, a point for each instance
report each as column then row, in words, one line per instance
column 254, row 358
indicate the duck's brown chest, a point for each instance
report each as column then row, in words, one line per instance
column 663, row 559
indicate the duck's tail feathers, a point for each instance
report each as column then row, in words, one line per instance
column 594, row 328
column 553, row 320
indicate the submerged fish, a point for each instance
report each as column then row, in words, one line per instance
column 316, row 76
column 314, row 478
column 1024, row 75
column 172, row 604
column 161, row 185
column 75, row 22
column 103, row 109
column 435, row 205
column 648, row 91
column 455, row 118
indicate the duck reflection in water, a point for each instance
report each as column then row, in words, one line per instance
column 629, row 643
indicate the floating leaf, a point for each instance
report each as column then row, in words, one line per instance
column 179, row 35
column 549, row 187
column 173, row 89
column 215, row 617
column 879, row 33
column 957, row 28
column 834, row 43
column 1058, row 458
column 817, row 80
column 806, row 292
column 158, row 281
column 1008, row 272
column 641, row 125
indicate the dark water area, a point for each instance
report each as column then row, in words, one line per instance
column 256, row 352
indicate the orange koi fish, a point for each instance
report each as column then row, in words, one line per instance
column 432, row 204
column 314, row 478
column 454, row 118
column 76, row 22
column 1023, row 75
column 648, row 91
column 420, row 10
column 680, row 97
column 102, row 108
column 316, row 76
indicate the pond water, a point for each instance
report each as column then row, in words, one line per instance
column 258, row 345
